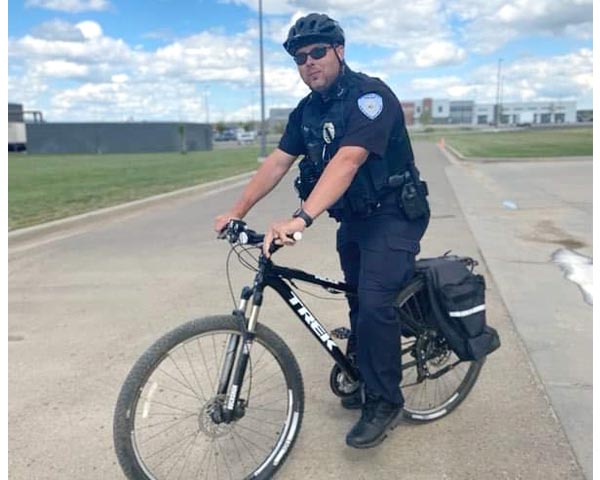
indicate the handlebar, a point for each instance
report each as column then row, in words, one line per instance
column 236, row 231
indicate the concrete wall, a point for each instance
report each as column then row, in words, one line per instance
column 126, row 137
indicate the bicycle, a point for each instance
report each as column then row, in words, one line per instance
column 238, row 414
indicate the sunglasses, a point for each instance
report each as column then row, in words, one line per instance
column 316, row 53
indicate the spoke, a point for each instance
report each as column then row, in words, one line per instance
column 279, row 410
column 180, row 393
column 145, row 427
column 172, row 407
column 162, row 431
column 192, row 441
column 201, row 463
column 160, row 370
column 194, row 372
column 244, row 443
column 184, row 377
column 212, row 385
column 263, row 392
column 252, row 430
column 259, row 359
column 212, row 337
column 261, row 420
column 258, row 447
column 255, row 383
column 224, row 457
column 178, row 442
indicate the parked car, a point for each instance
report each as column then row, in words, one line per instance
column 225, row 136
column 246, row 137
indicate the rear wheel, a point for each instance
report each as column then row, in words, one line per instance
column 434, row 380
column 168, row 420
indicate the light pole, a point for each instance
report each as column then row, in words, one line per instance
column 263, row 134
column 498, row 93
column 206, row 108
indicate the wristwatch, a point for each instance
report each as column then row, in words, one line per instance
column 304, row 216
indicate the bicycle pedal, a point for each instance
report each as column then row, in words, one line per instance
column 341, row 333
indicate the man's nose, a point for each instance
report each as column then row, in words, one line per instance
column 310, row 61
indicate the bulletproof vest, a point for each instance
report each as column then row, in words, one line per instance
column 323, row 128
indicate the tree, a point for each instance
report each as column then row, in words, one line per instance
column 182, row 142
column 425, row 118
column 220, row 126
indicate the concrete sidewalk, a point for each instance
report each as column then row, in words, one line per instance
column 83, row 307
column 521, row 215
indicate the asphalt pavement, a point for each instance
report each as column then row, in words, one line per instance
column 83, row 306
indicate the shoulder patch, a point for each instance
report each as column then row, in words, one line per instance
column 371, row 105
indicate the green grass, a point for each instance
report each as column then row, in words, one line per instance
column 42, row 188
column 556, row 142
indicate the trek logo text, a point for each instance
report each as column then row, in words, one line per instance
column 312, row 322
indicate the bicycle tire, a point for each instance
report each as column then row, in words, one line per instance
column 432, row 407
column 141, row 390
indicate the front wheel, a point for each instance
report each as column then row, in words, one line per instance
column 167, row 422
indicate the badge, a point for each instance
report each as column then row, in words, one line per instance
column 371, row 104
column 328, row 132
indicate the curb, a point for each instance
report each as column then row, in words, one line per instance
column 39, row 232
column 449, row 149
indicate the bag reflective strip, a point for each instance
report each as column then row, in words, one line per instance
column 465, row 313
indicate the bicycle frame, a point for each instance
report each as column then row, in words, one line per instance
column 270, row 275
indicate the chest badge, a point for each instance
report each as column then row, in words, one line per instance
column 371, row 105
column 328, row 132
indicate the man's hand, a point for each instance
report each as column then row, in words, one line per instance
column 221, row 221
column 279, row 231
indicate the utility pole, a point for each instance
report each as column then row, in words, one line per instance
column 497, row 120
column 206, row 105
column 263, row 136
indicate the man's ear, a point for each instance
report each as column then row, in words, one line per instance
column 340, row 51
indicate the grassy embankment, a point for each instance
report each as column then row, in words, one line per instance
column 552, row 142
column 42, row 188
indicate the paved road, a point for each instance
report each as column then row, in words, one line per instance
column 523, row 213
column 83, row 308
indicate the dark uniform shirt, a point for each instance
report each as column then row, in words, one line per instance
column 370, row 130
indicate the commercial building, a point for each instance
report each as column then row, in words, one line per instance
column 468, row 112
column 17, row 137
column 533, row 113
column 37, row 136
column 278, row 118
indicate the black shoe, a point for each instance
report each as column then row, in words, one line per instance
column 378, row 416
column 353, row 401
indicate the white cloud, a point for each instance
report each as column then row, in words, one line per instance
column 71, row 6
column 60, row 69
column 439, row 53
column 58, row 30
column 495, row 22
column 90, row 30
column 109, row 78
column 562, row 77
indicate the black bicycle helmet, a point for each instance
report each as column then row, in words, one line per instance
column 315, row 27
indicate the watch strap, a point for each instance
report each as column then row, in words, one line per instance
column 304, row 216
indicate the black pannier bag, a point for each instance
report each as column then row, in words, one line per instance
column 457, row 305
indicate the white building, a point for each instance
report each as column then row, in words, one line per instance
column 515, row 113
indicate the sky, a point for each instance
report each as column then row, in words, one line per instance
column 198, row 60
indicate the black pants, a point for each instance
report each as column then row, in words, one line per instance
column 377, row 256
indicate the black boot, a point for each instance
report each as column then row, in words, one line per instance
column 354, row 401
column 378, row 416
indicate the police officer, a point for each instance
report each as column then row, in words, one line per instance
column 359, row 166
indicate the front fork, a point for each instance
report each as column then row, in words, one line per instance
column 235, row 361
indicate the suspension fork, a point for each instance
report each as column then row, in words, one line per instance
column 233, row 343
column 238, row 353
